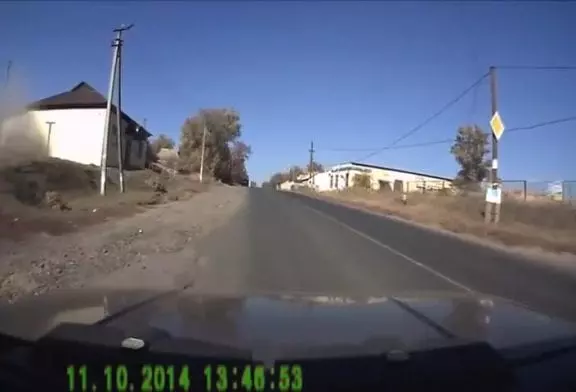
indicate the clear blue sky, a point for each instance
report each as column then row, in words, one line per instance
column 345, row 74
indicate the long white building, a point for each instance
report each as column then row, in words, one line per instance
column 381, row 178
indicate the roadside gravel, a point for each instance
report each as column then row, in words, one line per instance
column 134, row 250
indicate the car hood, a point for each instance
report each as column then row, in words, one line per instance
column 277, row 325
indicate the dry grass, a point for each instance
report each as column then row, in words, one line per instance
column 549, row 226
column 23, row 187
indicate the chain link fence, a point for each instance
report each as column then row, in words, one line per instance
column 534, row 191
column 522, row 190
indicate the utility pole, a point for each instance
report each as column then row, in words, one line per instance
column 120, row 133
column 311, row 164
column 50, row 123
column 8, row 69
column 492, row 211
column 203, row 150
column 114, row 73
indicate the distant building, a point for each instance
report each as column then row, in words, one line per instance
column 381, row 178
column 167, row 154
column 71, row 126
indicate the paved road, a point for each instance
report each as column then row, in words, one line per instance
column 289, row 243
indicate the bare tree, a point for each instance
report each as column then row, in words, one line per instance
column 316, row 167
column 294, row 172
column 239, row 154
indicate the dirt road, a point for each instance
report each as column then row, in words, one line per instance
column 156, row 245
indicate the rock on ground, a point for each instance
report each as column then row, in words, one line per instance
column 118, row 251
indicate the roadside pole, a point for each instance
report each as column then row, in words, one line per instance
column 310, row 165
column 50, row 123
column 8, row 69
column 120, row 134
column 113, row 74
column 494, row 191
column 203, row 149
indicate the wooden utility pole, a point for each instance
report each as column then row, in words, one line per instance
column 492, row 212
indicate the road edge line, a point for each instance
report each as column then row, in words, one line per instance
column 394, row 251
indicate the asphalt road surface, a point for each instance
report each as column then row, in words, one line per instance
column 288, row 243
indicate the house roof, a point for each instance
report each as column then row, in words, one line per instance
column 81, row 96
column 398, row 170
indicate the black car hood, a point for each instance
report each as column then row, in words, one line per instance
column 276, row 325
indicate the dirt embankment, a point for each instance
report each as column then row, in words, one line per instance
column 157, row 242
column 548, row 226
column 54, row 196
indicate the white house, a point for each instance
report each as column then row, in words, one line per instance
column 381, row 178
column 71, row 126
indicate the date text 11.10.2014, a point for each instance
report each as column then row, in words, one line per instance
column 182, row 378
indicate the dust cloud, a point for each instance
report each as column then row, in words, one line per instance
column 20, row 139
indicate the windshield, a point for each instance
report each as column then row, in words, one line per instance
column 371, row 177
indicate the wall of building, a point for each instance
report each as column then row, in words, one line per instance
column 286, row 185
column 406, row 182
column 342, row 176
column 136, row 149
column 75, row 135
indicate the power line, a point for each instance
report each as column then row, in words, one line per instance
column 538, row 67
column 445, row 141
column 429, row 119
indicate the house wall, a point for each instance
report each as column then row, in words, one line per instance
column 76, row 135
column 286, row 185
column 135, row 148
column 320, row 181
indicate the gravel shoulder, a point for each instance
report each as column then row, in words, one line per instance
column 154, row 248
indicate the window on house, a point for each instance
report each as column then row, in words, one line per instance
column 331, row 181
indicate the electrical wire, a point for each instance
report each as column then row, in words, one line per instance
column 412, row 131
column 538, row 67
column 445, row 141
column 472, row 88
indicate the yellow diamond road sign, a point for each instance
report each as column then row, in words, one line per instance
column 497, row 125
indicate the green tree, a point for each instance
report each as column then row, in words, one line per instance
column 162, row 141
column 469, row 150
column 225, row 155
column 362, row 181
